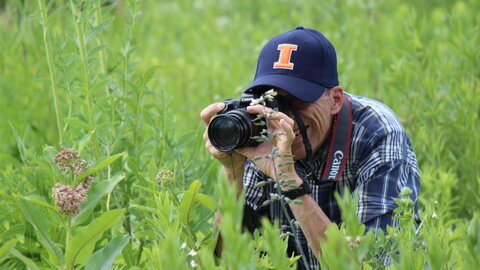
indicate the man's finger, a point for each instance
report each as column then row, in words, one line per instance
column 210, row 111
column 246, row 151
column 258, row 109
column 205, row 135
column 287, row 128
column 269, row 113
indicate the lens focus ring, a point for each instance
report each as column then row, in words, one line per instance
column 232, row 130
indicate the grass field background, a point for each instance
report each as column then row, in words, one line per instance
column 124, row 82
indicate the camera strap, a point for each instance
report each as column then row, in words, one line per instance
column 339, row 144
column 306, row 142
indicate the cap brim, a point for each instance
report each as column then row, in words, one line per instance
column 302, row 89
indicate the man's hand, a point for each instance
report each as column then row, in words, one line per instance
column 223, row 157
column 232, row 163
column 281, row 128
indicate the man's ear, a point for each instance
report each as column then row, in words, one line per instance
column 336, row 94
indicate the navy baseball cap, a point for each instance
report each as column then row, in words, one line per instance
column 301, row 62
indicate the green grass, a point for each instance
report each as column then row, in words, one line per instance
column 131, row 77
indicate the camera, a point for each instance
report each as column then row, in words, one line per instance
column 233, row 127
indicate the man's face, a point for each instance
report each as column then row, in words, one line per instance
column 317, row 118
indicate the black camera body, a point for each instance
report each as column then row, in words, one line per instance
column 233, row 128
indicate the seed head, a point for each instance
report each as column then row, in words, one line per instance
column 164, row 177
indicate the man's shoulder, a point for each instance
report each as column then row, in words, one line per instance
column 376, row 128
column 373, row 116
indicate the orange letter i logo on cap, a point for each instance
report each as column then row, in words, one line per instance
column 285, row 55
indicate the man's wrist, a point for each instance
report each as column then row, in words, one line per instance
column 301, row 190
column 291, row 182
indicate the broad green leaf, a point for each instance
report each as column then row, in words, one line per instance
column 77, row 123
column 29, row 263
column 94, row 32
column 206, row 201
column 187, row 205
column 83, row 141
column 103, row 258
column 13, row 160
column 148, row 75
column 7, row 247
column 20, row 144
column 81, row 246
column 38, row 200
column 97, row 167
column 13, row 231
column 144, row 208
column 49, row 153
column 41, row 224
column 128, row 255
column 96, row 192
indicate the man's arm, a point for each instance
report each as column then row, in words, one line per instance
column 313, row 220
column 232, row 164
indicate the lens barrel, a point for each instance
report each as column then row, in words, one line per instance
column 233, row 130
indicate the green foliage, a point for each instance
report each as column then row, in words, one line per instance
column 123, row 82
column 81, row 246
column 105, row 257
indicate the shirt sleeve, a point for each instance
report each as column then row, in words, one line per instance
column 387, row 167
column 254, row 196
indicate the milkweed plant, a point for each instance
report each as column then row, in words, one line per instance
column 102, row 161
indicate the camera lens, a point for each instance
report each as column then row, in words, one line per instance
column 232, row 130
column 226, row 131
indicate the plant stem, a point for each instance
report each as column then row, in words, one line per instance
column 103, row 69
column 272, row 155
column 46, row 42
column 100, row 42
column 68, row 231
column 82, row 46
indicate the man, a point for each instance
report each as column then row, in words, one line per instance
column 330, row 140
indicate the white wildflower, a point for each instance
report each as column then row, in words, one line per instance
column 193, row 264
column 406, row 191
column 192, row 253
column 260, row 100
column 183, row 246
column 270, row 94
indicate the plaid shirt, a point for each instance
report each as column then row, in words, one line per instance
column 380, row 163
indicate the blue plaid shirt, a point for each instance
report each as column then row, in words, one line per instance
column 380, row 163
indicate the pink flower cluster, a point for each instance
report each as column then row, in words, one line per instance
column 68, row 199
column 68, row 160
